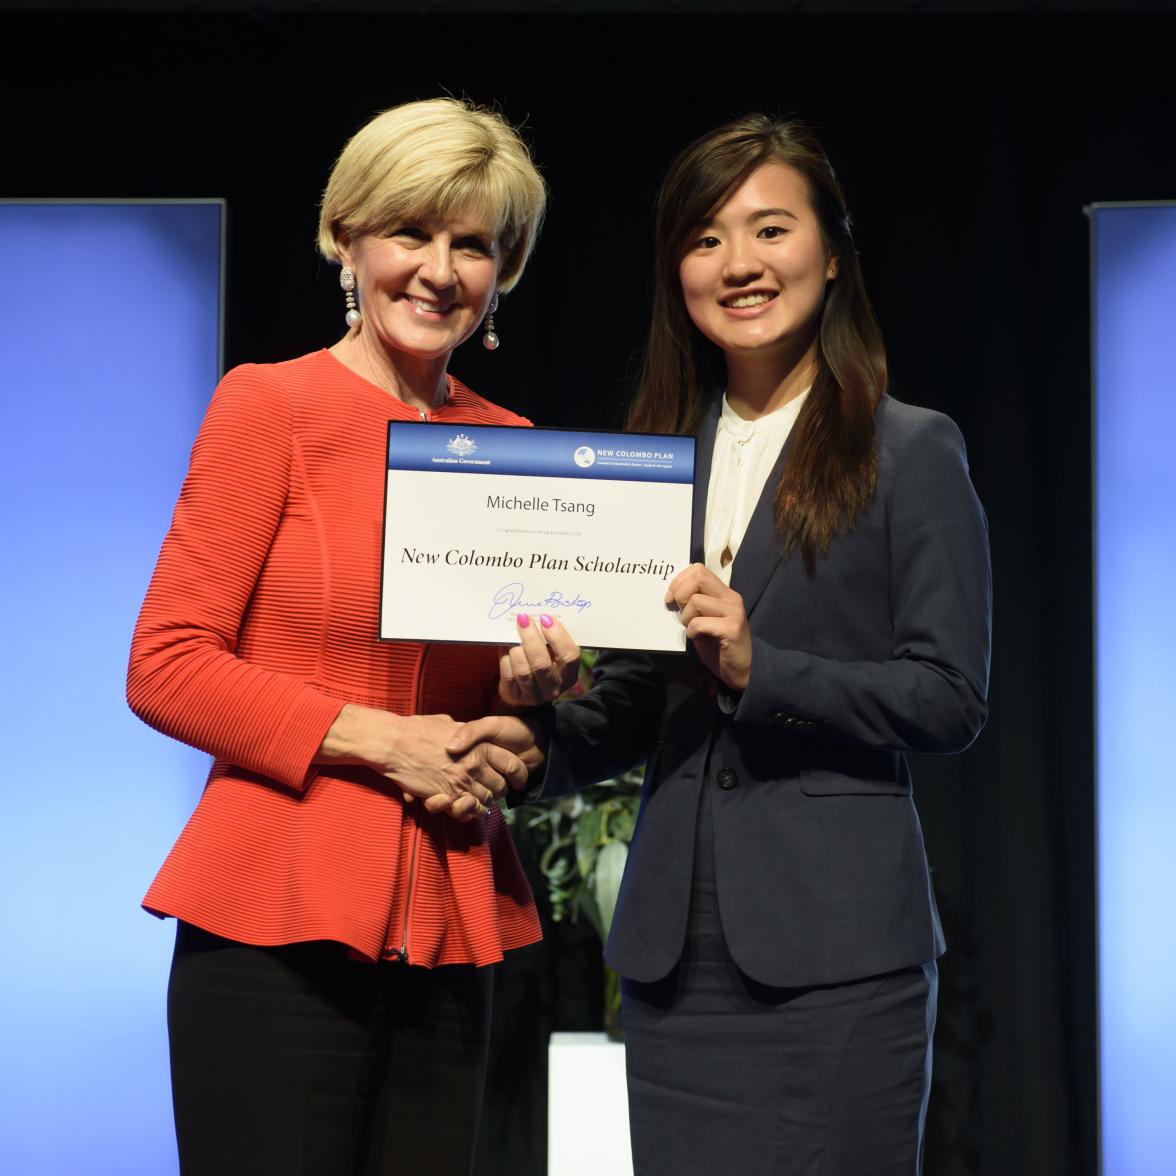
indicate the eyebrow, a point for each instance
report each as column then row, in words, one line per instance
column 760, row 214
column 767, row 212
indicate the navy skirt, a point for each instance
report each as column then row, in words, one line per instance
column 727, row 1075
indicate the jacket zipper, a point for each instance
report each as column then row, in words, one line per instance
column 401, row 954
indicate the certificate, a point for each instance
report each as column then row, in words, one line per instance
column 482, row 522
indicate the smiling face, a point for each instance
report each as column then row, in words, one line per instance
column 424, row 287
column 753, row 276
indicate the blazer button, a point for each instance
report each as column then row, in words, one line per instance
column 727, row 779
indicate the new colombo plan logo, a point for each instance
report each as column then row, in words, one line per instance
column 585, row 456
column 461, row 446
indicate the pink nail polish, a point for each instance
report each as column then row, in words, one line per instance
column 546, row 621
column 523, row 620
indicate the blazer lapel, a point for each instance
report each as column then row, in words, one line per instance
column 760, row 552
column 703, row 451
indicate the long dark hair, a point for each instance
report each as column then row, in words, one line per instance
column 831, row 469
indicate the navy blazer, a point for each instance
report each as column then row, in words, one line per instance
column 882, row 649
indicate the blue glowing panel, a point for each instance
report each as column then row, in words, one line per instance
column 1135, row 519
column 110, row 321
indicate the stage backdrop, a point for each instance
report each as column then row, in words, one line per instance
column 1134, row 257
column 110, row 316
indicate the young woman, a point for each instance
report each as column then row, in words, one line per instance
column 345, row 876
column 776, row 927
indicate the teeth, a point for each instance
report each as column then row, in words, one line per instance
column 421, row 304
column 746, row 300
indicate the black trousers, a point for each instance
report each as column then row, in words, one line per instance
column 300, row 1061
column 727, row 1075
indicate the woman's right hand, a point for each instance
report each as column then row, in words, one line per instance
column 411, row 751
column 521, row 735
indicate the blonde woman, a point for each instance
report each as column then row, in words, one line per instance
column 344, row 879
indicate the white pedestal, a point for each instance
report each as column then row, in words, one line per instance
column 587, row 1107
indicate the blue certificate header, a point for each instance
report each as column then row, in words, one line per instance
column 542, row 453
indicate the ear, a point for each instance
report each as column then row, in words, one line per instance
column 343, row 247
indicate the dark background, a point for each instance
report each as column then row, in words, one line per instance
column 968, row 144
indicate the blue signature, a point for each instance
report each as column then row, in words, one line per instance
column 509, row 598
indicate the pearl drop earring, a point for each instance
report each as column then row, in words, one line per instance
column 347, row 282
column 490, row 339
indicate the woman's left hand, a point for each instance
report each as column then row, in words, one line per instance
column 542, row 666
column 716, row 622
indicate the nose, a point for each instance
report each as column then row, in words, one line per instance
column 437, row 263
column 741, row 264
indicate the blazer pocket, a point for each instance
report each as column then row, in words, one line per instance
column 823, row 782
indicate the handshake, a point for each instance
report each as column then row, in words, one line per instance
column 460, row 768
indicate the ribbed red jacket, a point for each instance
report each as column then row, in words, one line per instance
column 259, row 624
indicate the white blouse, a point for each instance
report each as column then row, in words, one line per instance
column 744, row 454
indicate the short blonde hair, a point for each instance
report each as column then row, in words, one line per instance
column 439, row 157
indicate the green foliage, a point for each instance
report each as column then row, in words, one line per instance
column 581, row 843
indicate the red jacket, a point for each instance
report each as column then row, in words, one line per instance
column 259, row 624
